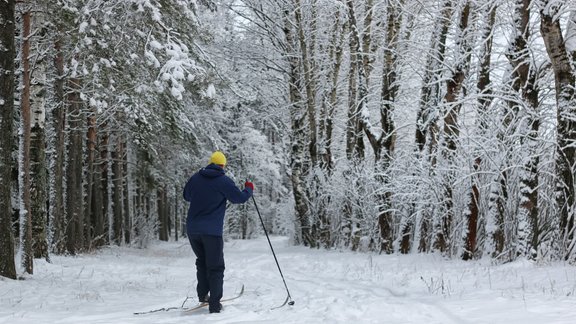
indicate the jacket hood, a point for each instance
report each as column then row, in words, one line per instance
column 212, row 171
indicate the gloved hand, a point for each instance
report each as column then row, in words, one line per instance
column 249, row 184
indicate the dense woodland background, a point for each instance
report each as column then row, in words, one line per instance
column 392, row 126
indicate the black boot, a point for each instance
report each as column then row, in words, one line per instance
column 215, row 309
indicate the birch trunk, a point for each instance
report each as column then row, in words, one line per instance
column 309, row 83
column 566, row 123
column 427, row 115
column 298, row 167
column 354, row 140
column 38, row 168
column 524, row 83
column 331, row 99
column 297, row 155
column 384, row 146
column 451, row 130
column 484, row 86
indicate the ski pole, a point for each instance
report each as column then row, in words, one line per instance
column 289, row 298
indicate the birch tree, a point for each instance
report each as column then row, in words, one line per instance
column 524, row 80
column 426, row 128
column 38, row 141
column 476, row 222
column 451, row 130
column 330, row 96
column 384, row 144
column 357, row 89
column 565, row 78
column 428, row 114
column 307, row 52
column 298, row 161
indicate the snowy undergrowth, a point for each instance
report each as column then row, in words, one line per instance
column 327, row 287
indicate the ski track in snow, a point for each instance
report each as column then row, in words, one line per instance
column 327, row 287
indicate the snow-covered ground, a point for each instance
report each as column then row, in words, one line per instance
column 327, row 287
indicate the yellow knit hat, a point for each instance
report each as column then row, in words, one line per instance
column 218, row 158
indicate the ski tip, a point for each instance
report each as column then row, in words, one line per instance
column 283, row 304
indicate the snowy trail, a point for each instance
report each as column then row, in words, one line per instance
column 327, row 287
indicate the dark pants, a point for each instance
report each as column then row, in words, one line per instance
column 209, row 252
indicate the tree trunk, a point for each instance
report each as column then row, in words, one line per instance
column 127, row 194
column 7, row 55
column 24, row 172
column 98, row 222
column 427, row 115
column 91, row 139
column 298, row 167
column 484, row 81
column 484, row 100
column 297, row 155
column 117, row 191
column 367, row 50
column 38, row 168
column 57, row 212
column 455, row 83
column 451, row 129
column 176, row 214
column 566, row 127
column 103, row 217
column 331, row 98
column 524, row 83
column 309, row 84
column 571, row 38
column 354, row 139
column 162, row 216
column 384, row 146
column 74, row 193
column 473, row 218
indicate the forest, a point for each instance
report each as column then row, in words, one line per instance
column 392, row 126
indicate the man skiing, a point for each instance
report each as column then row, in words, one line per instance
column 207, row 191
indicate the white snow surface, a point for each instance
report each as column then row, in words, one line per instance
column 108, row 286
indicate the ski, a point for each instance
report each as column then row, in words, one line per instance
column 204, row 304
column 163, row 309
column 287, row 301
column 190, row 309
column 283, row 304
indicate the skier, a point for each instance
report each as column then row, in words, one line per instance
column 207, row 191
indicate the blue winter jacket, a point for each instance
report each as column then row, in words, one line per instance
column 207, row 191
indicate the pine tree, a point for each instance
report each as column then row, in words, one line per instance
column 7, row 55
column 26, row 241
